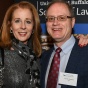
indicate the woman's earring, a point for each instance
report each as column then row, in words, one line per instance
column 11, row 31
column 33, row 32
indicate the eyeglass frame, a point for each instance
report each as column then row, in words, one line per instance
column 69, row 17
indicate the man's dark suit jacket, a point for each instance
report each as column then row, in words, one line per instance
column 77, row 64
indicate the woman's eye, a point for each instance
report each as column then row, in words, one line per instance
column 28, row 22
column 17, row 21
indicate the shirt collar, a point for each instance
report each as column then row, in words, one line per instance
column 67, row 45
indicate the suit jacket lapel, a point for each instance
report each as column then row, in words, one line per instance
column 73, row 61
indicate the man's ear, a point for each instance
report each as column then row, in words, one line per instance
column 73, row 22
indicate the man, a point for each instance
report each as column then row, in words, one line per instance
column 73, row 67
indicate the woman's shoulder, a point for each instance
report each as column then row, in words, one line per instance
column 11, row 55
column 9, row 52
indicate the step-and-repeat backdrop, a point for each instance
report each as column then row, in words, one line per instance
column 81, row 13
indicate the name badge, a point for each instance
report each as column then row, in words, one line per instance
column 68, row 79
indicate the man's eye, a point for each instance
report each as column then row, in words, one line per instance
column 51, row 19
column 62, row 18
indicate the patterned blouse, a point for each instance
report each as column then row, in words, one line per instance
column 21, row 67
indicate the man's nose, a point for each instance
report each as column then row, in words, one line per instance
column 56, row 21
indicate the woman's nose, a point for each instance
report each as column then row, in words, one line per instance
column 23, row 25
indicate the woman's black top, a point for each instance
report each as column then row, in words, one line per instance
column 21, row 68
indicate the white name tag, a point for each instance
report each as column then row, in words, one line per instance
column 68, row 79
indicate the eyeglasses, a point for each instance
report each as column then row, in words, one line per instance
column 59, row 18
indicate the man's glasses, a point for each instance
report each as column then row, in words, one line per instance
column 59, row 18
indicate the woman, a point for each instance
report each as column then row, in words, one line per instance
column 20, row 38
